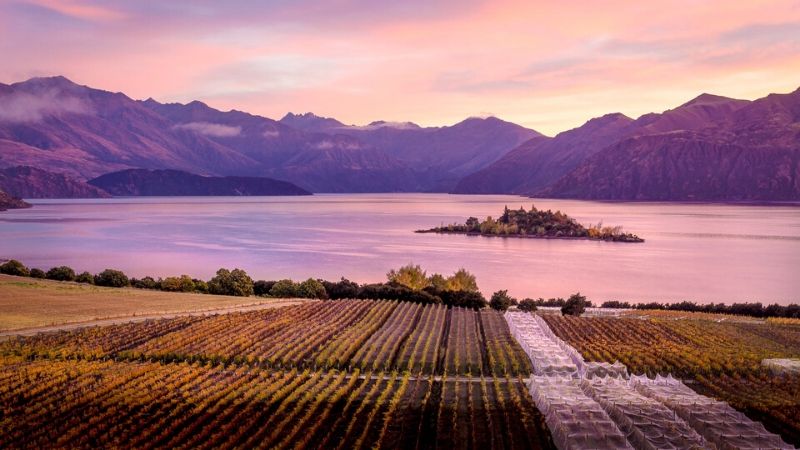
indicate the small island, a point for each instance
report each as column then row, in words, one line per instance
column 9, row 202
column 535, row 224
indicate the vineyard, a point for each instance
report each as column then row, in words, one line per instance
column 723, row 358
column 384, row 374
column 348, row 334
column 82, row 404
column 336, row 374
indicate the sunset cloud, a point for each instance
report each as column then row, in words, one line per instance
column 210, row 129
column 548, row 66
column 25, row 107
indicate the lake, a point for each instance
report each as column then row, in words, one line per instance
column 697, row 252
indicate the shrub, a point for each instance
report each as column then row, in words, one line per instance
column 61, row 273
column 284, row 289
column 344, row 288
column 145, row 283
column 200, row 286
column 261, row 287
column 111, row 278
column 85, row 277
column 183, row 283
column 311, row 288
column 527, row 304
column 410, row 276
column 574, row 306
column 14, row 267
column 37, row 273
column 501, row 301
column 462, row 281
column 235, row 282
column 615, row 304
column 464, row 299
column 395, row 291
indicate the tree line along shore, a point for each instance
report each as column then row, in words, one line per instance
column 408, row 283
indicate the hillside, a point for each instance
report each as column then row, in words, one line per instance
column 541, row 161
column 683, row 167
column 750, row 153
column 30, row 182
column 143, row 182
column 535, row 165
column 57, row 125
column 315, row 161
column 439, row 155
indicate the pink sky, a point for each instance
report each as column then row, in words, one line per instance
column 546, row 65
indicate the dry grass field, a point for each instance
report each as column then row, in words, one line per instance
column 30, row 303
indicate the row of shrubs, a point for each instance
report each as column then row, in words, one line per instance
column 237, row 282
column 62, row 273
column 575, row 305
column 753, row 309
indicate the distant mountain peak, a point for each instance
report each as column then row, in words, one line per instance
column 52, row 81
column 310, row 122
column 305, row 115
column 197, row 104
column 388, row 124
column 608, row 119
column 709, row 99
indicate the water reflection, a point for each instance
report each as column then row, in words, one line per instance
column 697, row 252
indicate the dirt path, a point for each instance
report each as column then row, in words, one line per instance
column 141, row 318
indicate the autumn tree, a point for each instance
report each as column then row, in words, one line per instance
column 411, row 276
column 462, row 281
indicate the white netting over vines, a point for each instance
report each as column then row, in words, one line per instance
column 647, row 423
column 551, row 355
column 782, row 365
column 575, row 420
column 716, row 421
column 547, row 356
column 594, row 405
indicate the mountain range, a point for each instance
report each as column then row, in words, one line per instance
column 57, row 125
column 711, row 148
column 55, row 135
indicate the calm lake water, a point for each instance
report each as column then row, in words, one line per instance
column 695, row 252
